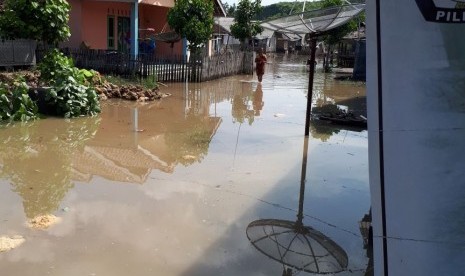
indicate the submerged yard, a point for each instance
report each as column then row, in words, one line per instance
column 170, row 187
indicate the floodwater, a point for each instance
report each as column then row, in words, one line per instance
column 173, row 187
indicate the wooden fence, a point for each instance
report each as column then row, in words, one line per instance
column 20, row 52
column 225, row 65
column 173, row 68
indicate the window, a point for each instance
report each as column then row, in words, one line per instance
column 111, row 32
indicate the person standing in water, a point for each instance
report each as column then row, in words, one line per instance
column 260, row 61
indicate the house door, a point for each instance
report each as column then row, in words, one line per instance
column 124, row 34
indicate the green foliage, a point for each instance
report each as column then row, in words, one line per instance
column 72, row 90
column 335, row 35
column 44, row 20
column 55, row 65
column 53, row 62
column 192, row 19
column 230, row 10
column 243, row 27
column 17, row 105
column 285, row 8
column 72, row 98
column 331, row 3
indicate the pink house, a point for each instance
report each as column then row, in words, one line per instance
column 119, row 24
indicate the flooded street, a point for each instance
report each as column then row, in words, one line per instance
column 171, row 187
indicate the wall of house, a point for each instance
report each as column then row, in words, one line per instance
column 94, row 21
column 75, row 19
column 155, row 17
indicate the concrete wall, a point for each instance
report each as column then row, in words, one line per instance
column 75, row 19
column 416, row 132
column 88, row 23
column 155, row 17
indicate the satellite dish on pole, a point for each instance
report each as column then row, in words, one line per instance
column 313, row 23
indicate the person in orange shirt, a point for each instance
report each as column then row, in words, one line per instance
column 260, row 61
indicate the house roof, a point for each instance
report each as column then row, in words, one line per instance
column 267, row 33
column 224, row 22
column 219, row 9
column 161, row 3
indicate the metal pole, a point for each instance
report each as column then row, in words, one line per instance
column 310, row 84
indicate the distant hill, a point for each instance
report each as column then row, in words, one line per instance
column 284, row 8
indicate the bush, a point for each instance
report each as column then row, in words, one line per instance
column 54, row 62
column 72, row 91
column 73, row 99
column 17, row 105
column 70, row 94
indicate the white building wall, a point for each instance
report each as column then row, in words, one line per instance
column 416, row 124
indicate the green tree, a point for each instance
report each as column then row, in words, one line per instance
column 192, row 19
column 230, row 9
column 42, row 20
column 243, row 27
column 335, row 35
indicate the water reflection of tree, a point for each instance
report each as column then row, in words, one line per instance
column 37, row 159
column 247, row 104
column 258, row 100
column 191, row 144
column 322, row 130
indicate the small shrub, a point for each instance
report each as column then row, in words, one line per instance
column 72, row 90
column 73, row 99
column 54, row 63
column 17, row 105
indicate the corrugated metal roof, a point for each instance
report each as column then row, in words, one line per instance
column 315, row 21
column 224, row 22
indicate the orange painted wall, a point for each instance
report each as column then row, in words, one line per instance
column 94, row 21
column 155, row 17
column 88, row 23
column 75, row 18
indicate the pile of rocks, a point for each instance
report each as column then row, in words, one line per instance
column 128, row 92
column 105, row 89
column 31, row 78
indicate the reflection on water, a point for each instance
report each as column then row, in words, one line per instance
column 43, row 158
column 247, row 104
column 37, row 159
column 295, row 245
column 323, row 130
column 206, row 162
